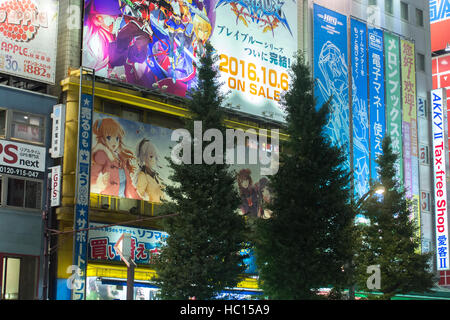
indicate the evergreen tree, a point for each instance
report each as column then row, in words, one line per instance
column 390, row 240
column 307, row 242
column 202, row 253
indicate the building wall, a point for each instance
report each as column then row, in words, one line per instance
column 21, row 230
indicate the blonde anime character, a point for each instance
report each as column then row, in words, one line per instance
column 112, row 163
column 148, row 182
column 202, row 30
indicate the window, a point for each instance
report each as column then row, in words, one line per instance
column 372, row 2
column 404, row 11
column 419, row 17
column 388, row 6
column 420, row 62
column 2, row 123
column 24, row 193
column 27, row 127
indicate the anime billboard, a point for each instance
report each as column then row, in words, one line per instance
column 331, row 74
column 157, row 43
column 129, row 158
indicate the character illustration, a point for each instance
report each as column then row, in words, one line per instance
column 150, row 43
column 148, row 182
column 248, row 193
column 264, row 198
column 112, row 164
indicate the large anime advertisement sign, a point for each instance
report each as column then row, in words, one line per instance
column 257, row 41
column 157, row 44
column 360, row 107
column 331, row 72
column 129, row 160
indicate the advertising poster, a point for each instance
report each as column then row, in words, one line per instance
column 257, row 41
column 331, row 74
column 439, row 178
column 409, row 105
column 144, row 242
column 158, row 44
column 439, row 23
column 22, row 160
column 376, row 97
column 28, row 35
column 81, row 214
column 393, row 98
column 360, row 111
column 129, row 158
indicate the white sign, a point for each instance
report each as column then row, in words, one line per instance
column 123, row 248
column 59, row 120
column 55, row 196
column 440, row 184
column 28, row 35
column 19, row 159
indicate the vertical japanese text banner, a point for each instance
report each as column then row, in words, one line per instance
column 376, row 97
column 409, row 101
column 360, row 111
column 81, row 219
column 331, row 72
column 440, row 183
column 393, row 98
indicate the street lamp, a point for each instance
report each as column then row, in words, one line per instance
column 378, row 189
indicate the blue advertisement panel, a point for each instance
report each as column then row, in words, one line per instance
column 331, row 73
column 376, row 97
column 360, row 112
column 81, row 219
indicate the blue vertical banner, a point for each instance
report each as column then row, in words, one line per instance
column 81, row 218
column 376, row 97
column 360, row 108
column 331, row 74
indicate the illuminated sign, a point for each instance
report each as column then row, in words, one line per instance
column 81, row 216
column 331, row 74
column 24, row 160
column 28, row 34
column 158, row 46
column 58, row 123
column 55, row 182
column 440, row 183
column 439, row 24
column 376, row 97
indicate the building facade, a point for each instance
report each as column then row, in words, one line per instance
column 371, row 55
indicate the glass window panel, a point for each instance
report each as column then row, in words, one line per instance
column 12, row 278
column 33, row 194
column 27, row 132
column 388, row 6
column 16, row 189
column 2, row 122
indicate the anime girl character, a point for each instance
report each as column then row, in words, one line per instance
column 248, row 193
column 264, row 198
column 133, row 38
column 148, row 182
column 100, row 24
column 202, row 32
column 112, row 164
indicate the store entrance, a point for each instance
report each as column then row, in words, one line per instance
column 18, row 277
